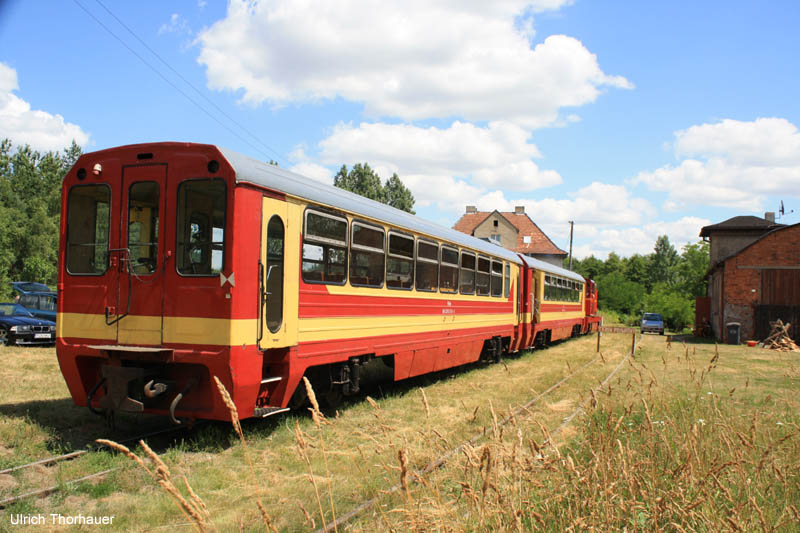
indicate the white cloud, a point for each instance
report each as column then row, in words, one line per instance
column 413, row 60
column 730, row 163
column 177, row 24
column 303, row 165
column 436, row 164
column 626, row 241
column 40, row 129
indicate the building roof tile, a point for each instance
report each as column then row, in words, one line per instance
column 540, row 243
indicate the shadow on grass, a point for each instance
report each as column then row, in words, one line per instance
column 70, row 428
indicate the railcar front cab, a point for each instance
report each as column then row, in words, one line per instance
column 145, row 249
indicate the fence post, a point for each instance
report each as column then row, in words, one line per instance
column 598, row 340
column 633, row 342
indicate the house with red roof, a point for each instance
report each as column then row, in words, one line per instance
column 515, row 231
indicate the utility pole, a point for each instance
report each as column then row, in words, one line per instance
column 571, row 226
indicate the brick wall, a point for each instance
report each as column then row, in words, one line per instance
column 742, row 282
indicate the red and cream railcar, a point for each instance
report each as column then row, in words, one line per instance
column 557, row 304
column 180, row 262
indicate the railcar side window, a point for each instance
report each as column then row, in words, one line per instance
column 400, row 263
column 274, row 274
column 482, row 279
column 560, row 289
column 448, row 272
column 427, row 266
column 200, row 228
column 366, row 255
column 324, row 248
column 497, row 278
column 467, row 272
column 143, row 227
column 507, row 281
column 87, row 229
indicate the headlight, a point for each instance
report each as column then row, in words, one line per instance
column 52, row 328
column 20, row 329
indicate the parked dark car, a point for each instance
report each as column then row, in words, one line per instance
column 40, row 304
column 18, row 326
column 652, row 323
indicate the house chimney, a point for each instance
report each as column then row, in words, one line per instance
column 471, row 209
column 770, row 216
column 519, row 210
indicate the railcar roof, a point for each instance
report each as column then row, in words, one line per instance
column 552, row 269
column 253, row 171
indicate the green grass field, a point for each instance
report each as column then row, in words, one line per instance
column 684, row 437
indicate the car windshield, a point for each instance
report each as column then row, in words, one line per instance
column 652, row 316
column 30, row 286
column 13, row 310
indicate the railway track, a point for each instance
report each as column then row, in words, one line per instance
column 442, row 460
column 50, row 461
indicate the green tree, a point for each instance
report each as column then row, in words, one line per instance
column 676, row 309
column 30, row 210
column 589, row 267
column 692, row 268
column 363, row 180
column 398, row 195
column 619, row 294
column 636, row 268
column 663, row 262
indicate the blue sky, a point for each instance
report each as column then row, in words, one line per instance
column 634, row 119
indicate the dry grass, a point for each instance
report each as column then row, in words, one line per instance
column 653, row 450
column 659, row 448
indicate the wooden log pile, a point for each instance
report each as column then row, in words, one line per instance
column 779, row 338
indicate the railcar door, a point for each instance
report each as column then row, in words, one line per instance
column 141, row 268
column 279, row 268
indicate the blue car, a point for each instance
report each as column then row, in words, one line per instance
column 40, row 304
column 24, row 287
column 652, row 323
column 18, row 326
column 37, row 298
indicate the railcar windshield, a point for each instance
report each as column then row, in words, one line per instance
column 201, row 227
column 87, row 229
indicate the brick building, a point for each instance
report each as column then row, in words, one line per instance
column 515, row 231
column 754, row 276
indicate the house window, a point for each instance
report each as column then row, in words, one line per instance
column 526, row 239
column 495, row 223
column 494, row 237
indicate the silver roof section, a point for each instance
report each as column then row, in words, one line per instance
column 250, row 170
column 552, row 269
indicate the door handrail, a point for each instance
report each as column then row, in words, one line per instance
column 127, row 258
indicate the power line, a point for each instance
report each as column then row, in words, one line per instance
column 171, row 84
column 187, row 82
